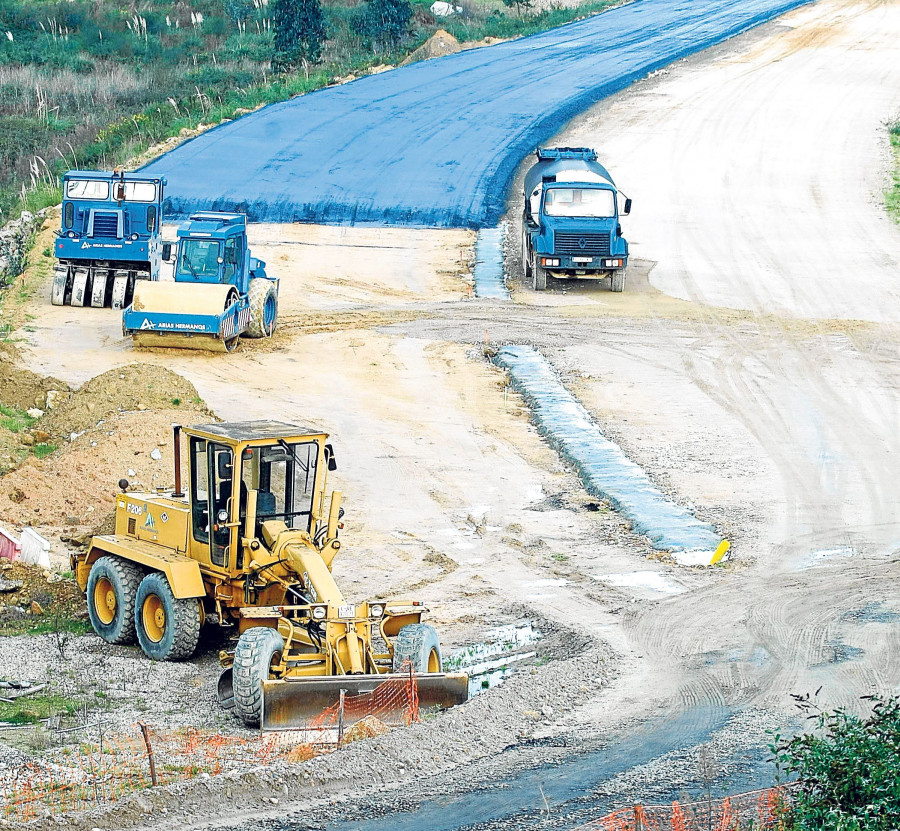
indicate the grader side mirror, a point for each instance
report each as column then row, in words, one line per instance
column 167, row 251
column 329, row 457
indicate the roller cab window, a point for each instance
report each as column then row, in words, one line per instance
column 200, row 259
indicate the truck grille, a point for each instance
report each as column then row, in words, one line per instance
column 106, row 224
column 581, row 245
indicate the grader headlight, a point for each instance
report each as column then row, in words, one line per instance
column 319, row 612
column 376, row 610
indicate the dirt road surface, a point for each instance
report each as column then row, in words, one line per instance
column 751, row 366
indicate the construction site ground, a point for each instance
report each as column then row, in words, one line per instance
column 750, row 367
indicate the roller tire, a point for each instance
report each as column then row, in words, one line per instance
column 123, row 579
column 176, row 639
column 418, row 643
column 263, row 300
column 526, row 258
column 617, row 280
column 256, row 650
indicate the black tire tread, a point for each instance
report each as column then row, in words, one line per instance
column 412, row 644
column 255, row 649
column 130, row 576
column 184, row 615
column 257, row 294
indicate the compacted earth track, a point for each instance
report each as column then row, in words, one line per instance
column 751, row 367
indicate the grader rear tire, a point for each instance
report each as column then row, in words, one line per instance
column 418, row 643
column 167, row 628
column 257, row 649
column 111, row 591
column 263, row 308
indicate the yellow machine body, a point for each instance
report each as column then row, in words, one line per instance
column 252, row 536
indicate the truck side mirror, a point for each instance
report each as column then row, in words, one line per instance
column 231, row 256
column 627, row 207
column 167, row 251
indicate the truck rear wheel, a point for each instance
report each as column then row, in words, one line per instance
column 257, row 650
column 526, row 258
column 418, row 643
column 167, row 628
column 617, row 280
column 111, row 591
column 263, row 308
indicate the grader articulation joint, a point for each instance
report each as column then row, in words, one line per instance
column 250, row 543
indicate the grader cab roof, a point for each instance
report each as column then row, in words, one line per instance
column 235, row 431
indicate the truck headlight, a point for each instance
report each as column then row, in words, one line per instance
column 319, row 613
column 376, row 610
column 71, row 235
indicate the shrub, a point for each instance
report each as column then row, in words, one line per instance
column 384, row 21
column 299, row 33
column 846, row 769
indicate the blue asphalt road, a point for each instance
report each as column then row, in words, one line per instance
column 436, row 144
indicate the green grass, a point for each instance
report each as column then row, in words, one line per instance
column 892, row 196
column 41, row 451
column 91, row 84
column 14, row 420
column 31, row 709
column 44, row 626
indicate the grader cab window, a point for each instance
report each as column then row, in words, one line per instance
column 212, row 463
column 284, row 476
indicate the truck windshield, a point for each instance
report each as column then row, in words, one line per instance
column 284, row 476
column 139, row 192
column 584, row 202
column 87, row 189
column 199, row 258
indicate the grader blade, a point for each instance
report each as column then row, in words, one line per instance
column 300, row 703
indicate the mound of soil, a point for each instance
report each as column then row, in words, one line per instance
column 132, row 387
column 22, row 388
column 439, row 44
column 42, row 594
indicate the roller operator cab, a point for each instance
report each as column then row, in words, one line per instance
column 109, row 237
column 219, row 292
column 247, row 542
column 570, row 223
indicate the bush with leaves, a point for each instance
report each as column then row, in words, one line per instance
column 385, row 22
column 847, row 769
column 299, row 33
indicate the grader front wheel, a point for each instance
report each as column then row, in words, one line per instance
column 417, row 643
column 257, row 650
column 167, row 628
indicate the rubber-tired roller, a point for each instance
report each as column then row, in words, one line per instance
column 219, row 291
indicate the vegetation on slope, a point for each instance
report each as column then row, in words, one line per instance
column 92, row 83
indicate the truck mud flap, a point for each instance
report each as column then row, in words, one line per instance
column 293, row 703
column 60, row 291
column 80, row 287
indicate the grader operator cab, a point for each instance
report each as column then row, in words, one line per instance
column 250, row 546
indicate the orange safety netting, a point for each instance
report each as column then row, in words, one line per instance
column 757, row 810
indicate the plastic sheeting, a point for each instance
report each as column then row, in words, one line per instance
column 604, row 469
column 436, row 143
column 489, row 281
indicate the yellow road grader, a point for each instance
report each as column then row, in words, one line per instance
column 249, row 545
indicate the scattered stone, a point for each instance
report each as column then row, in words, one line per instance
column 41, row 437
column 10, row 585
column 34, row 412
column 155, row 454
column 52, row 398
column 36, row 608
column 130, row 472
column 17, row 496
column 27, row 439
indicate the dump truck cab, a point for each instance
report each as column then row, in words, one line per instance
column 570, row 224
column 248, row 540
column 109, row 237
column 219, row 291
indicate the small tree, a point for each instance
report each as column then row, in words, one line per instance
column 299, row 33
column 846, row 770
column 519, row 5
column 384, row 21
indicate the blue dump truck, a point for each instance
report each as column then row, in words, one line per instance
column 220, row 292
column 109, row 238
column 570, row 225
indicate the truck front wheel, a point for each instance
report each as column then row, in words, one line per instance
column 526, row 258
column 539, row 278
column 617, row 280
